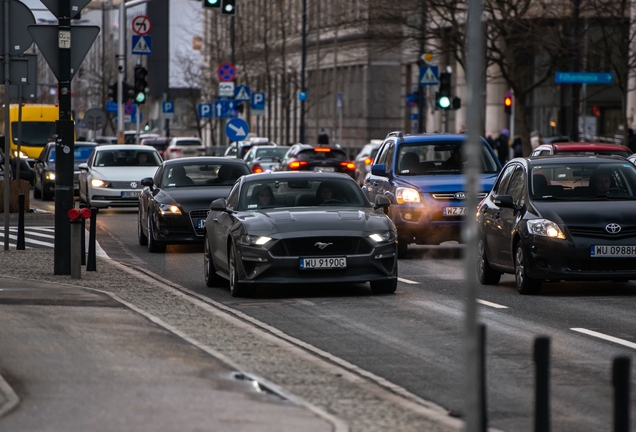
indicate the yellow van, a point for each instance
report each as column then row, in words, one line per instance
column 38, row 128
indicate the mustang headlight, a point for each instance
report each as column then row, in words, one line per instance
column 253, row 240
column 97, row 183
column 546, row 228
column 405, row 194
column 165, row 209
column 383, row 237
column 50, row 175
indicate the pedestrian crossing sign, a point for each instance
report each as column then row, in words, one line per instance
column 242, row 94
column 429, row 75
column 141, row 45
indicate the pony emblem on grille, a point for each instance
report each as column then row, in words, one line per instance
column 321, row 245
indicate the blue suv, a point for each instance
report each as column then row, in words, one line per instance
column 422, row 177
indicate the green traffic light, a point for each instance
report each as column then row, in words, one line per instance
column 444, row 102
column 213, row 2
column 140, row 97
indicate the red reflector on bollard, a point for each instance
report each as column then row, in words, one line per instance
column 85, row 213
column 74, row 214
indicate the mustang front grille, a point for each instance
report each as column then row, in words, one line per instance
column 321, row 246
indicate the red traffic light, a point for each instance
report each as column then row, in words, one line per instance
column 74, row 214
column 508, row 101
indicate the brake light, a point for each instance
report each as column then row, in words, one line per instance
column 368, row 161
column 322, row 150
column 349, row 165
column 257, row 168
column 297, row 164
column 175, row 150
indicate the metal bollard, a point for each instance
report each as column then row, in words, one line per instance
column 620, row 380
column 20, row 243
column 83, row 235
column 91, row 263
column 482, row 377
column 542, row 384
column 76, row 250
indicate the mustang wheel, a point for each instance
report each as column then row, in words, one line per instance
column 153, row 246
column 143, row 240
column 485, row 273
column 237, row 289
column 209, row 270
column 525, row 285
column 384, row 287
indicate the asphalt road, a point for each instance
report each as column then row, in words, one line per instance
column 415, row 338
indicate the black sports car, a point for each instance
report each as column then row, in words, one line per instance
column 283, row 227
column 559, row 218
column 174, row 203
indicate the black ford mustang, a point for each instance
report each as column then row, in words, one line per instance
column 174, row 203
column 292, row 227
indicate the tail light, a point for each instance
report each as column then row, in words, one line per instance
column 348, row 165
column 257, row 168
column 175, row 150
column 297, row 164
column 322, row 150
column 368, row 161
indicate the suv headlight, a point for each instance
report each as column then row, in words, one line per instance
column 405, row 194
column 383, row 237
column 165, row 209
column 254, row 240
column 50, row 175
column 545, row 227
column 97, row 183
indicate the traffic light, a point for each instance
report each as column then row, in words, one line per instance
column 228, row 7
column 112, row 92
column 508, row 104
column 212, row 4
column 457, row 103
column 443, row 96
column 140, row 84
column 129, row 92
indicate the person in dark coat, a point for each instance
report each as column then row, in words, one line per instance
column 503, row 147
column 631, row 140
column 323, row 138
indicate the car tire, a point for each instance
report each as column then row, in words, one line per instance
column 209, row 269
column 237, row 289
column 141, row 237
column 485, row 273
column 402, row 248
column 525, row 285
column 37, row 193
column 153, row 245
column 384, row 286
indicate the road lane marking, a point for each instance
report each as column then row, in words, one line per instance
column 605, row 337
column 491, row 304
column 406, row 281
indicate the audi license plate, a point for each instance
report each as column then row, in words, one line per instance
column 454, row 211
column 612, row 251
column 130, row 194
column 323, row 263
column 324, row 169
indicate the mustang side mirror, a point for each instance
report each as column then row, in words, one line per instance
column 146, row 181
column 381, row 201
column 218, row 204
column 378, row 169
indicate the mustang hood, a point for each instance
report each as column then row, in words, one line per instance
column 447, row 183
column 190, row 198
column 318, row 221
column 123, row 173
column 577, row 213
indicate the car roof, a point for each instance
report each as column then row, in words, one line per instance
column 123, row 147
column 297, row 174
column 416, row 138
column 204, row 159
column 588, row 146
column 559, row 159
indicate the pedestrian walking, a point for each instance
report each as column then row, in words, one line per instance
column 503, row 146
column 323, row 138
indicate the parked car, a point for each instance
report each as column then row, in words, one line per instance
column 582, row 148
column 112, row 175
column 556, row 139
column 364, row 160
column 44, row 169
column 160, row 143
column 306, row 157
column 278, row 228
column 240, row 148
column 422, row 177
column 184, row 147
column 130, row 137
column 264, row 158
column 106, row 140
column 559, row 218
column 175, row 201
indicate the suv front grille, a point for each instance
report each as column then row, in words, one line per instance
column 450, row 196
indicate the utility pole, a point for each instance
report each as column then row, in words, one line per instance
column 421, row 94
column 302, row 73
column 574, row 126
column 121, row 74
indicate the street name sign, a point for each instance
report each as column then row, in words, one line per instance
column 584, row 77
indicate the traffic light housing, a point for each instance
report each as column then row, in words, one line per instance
column 140, row 84
column 443, row 96
column 508, row 104
column 228, row 7
column 112, row 92
column 129, row 92
column 216, row 4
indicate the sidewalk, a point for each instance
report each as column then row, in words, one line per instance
column 122, row 350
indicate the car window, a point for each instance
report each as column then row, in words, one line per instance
column 383, row 154
column 321, row 153
column 80, row 154
column 188, row 143
column 516, row 186
column 432, row 157
column 502, row 183
column 126, row 158
column 232, row 199
column 202, row 174
column 270, row 153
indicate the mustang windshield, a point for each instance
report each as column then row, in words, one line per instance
column 297, row 192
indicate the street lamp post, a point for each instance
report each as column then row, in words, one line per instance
column 302, row 73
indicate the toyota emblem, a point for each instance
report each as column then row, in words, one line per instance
column 460, row 195
column 133, row 185
column 613, row 228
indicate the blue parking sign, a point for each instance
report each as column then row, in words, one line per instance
column 205, row 110
column 258, row 101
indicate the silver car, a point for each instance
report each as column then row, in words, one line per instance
column 264, row 158
column 364, row 160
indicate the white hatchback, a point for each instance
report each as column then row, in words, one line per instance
column 184, row 147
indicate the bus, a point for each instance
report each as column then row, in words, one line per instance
column 38, row 128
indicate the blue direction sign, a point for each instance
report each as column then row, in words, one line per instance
column 236, row 129
column 141, row 45
column 205, row 110
column 242, row 94
column 224, row 108
column 258, row 101
column 111, row 106
column 584, row 77
column 429, row 75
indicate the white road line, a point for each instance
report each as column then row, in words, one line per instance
column 34, row 233
column 408, row 281
column 491, row 304
column 28, row 241
column 606, row 337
